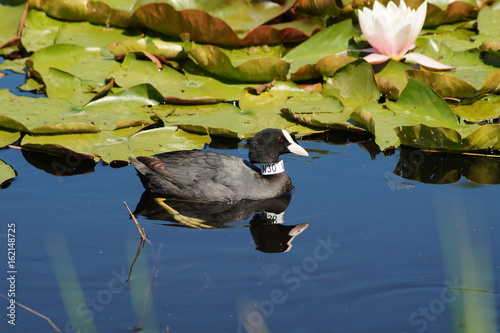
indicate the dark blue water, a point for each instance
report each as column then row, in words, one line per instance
column 380, row 253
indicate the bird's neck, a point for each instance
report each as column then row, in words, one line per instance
column 272, row 168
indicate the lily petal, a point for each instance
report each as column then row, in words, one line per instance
column 427, row 62
column 375, row 58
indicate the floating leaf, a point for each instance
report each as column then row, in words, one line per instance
column 332, row 40
column 417, row 104
column 11, row 19
column 172, row 83
column 445, row 85
column 317, row 8
column 469, row 66
column 165, row 139
column 202, row 27
column 298, row 105
column 456, row 11
column 486, row 109
column 106, row 145
column 448, row 139
column 6, row 172
column 354, row 84
column 8, row 137
column 87, row 64
column 40, row 31
column 223, row 119
column 263, row 69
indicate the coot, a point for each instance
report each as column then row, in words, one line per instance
column 213, row 177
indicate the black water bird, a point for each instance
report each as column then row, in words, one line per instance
column 213, row 177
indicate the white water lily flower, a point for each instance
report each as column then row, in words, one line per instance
column 392, row 32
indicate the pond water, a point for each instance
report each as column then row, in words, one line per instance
column 366, row 244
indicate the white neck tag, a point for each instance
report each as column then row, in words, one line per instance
column 273, row 218
column 272, row 168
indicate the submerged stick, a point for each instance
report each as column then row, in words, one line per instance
column 141, row 230
column 54, row 326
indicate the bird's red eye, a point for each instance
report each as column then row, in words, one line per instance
column 280, row 139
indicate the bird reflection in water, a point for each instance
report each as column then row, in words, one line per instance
column 266, row 217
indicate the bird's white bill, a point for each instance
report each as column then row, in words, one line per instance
column 294, row 147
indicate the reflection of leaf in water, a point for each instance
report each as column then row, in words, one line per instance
column 438, row 168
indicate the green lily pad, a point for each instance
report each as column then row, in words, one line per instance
column 11, row 19
column 40, row 31
column 417, row 104
column 87, row 64
column 222, row 119
column 172, row 83
column 8, row 137
column 354, row 84
column 167, row 49
column 92, row 145
column 492, row 84
column 61, row 9
column 6, row 172
column 483, row 110
column 488, row 21
column 317, row 8
column 118, row 144
column 46, row 115
column 286, row 102
column 444, row 84
column 240, row 15
column 448, row 139
column 92, row 36
column 455, row 11
column 263, row 69
column 110, row 13
column 202, row 27
column 164, row 139
column 62, row 85
column 392, row 78
column 469, row 66
column 332, row 40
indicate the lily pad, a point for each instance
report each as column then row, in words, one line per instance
column 469, row 66
column 317, row 8
column 332, row 40
column 87, row 64
column 448, row 139
column 455, row 11
column 285, row 100
column 445, row 85
column 92, row 36
column 8, row 137
column 486, row 109
column 40, row 31
column 6, row 173
column 222, row 119
column 170, row 82
column 202, row 27
column 116, row 145
column 354, row 84
column 11, row 19
column 164, row 139
column 417, row 104
column 262, row 69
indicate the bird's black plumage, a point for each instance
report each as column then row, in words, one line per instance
column 214, row 177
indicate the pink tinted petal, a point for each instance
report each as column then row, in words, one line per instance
column 376, row 58
column 427, row 62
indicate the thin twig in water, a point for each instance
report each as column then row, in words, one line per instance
column 141, row 230
column 54, row 326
